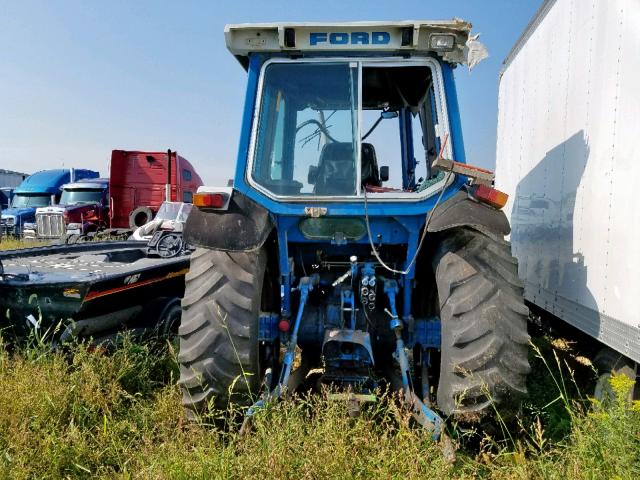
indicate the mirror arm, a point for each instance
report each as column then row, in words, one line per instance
column 372, row 129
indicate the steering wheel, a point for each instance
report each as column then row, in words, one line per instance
column 169, row 245
column 321, row 127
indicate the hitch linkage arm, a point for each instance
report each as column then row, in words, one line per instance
column 305, row 286
column 421, row 413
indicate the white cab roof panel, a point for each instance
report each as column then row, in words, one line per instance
column 308, row 38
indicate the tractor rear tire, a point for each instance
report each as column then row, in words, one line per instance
column 485, row 344
column 219, row 348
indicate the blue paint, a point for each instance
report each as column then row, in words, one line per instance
column 426, row 333
column 391, row 289
column 353, row 38
column 255, row 63
column 286, row 279
column 360, row 38
column 317, row 37
column 406, row 148
column 348, row 306
column 268, row 328
column 305, row 286
column 339, row 38
column 455, row 126
column 380, row 38
column 368, row 269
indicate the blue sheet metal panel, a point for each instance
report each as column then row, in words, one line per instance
column 268, row 327
column 427, row 333
column 394, row 230
column 453, row 111
column 407, row 280
column 434, row 114
column 255, row 63
column 403, row 149
column 384, row 230
column 406, row 148
column 286, row 280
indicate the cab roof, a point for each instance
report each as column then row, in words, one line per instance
column 50, row 181
column 88, row 183
column 446, row 38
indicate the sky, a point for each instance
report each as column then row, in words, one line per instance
column 81, row 78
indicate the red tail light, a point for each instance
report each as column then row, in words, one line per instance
column 490, row 196
column 209, row 200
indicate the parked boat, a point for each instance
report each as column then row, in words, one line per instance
column 89, row 289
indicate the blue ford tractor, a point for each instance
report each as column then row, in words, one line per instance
column 355, row 249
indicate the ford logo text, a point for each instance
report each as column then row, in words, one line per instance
column 353, row 38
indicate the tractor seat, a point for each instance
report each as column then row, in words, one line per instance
column 336, row 174
column 370, row 170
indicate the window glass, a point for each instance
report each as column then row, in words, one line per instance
column 187, row 197
column 186, row 175
column 398, row 127
column 185, row 210
column 168, row 211
column 307, row 130
column 385, row 139
column 78, row 196
column 25, row 200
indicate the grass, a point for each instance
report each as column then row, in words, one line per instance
column 8, row 243
column 83, row 414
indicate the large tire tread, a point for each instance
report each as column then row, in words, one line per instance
column 219, row 358
column 484, row 326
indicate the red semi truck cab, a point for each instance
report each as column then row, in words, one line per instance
column 86, row 206
column 137, row 185
column 83, row 208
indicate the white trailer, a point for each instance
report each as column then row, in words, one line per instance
column 8, row 181
column 568, row 155
column 11, row 179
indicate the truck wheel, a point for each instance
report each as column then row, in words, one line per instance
column 484, row 356
column 607, row 363
column 140, row 216
column 71, row 239
column 219, row 350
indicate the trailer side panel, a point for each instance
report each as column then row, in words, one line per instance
column 567, row 154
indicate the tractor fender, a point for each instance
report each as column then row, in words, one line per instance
column 462, row 211
column 244, row 226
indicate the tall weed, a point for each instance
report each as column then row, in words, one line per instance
column 85, row 413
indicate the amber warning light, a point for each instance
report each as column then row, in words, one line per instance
column 490, row 196
column 210, row 200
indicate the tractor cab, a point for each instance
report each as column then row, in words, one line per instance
column 344, row 110
column 345, row 230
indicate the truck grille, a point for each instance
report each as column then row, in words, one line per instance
column 50, row 225
column 7, row 226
